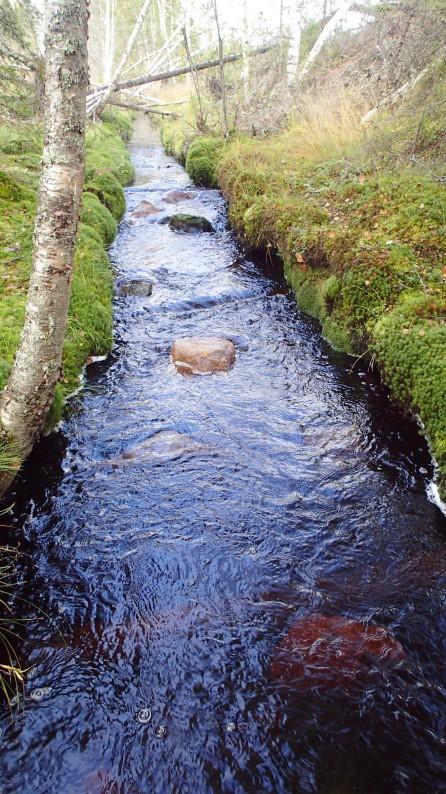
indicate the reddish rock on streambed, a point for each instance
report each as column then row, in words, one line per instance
column 145, row 208
column 174, row 196
column 195, row 355
column 322, row 652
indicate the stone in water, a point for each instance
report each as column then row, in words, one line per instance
column 163, row 446
column 322, row 652
column 145, row 208
column 137, row 287
column 194, row 355
column 190, row 224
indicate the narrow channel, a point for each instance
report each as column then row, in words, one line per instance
column 164, row 584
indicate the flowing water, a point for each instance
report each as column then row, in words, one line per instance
column 160, row 588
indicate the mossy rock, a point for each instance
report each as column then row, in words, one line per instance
column 190, row 224
column 202, row 160
column 109, row 191
column 135, row 287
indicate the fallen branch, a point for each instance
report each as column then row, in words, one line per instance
column 140, row 108
column 395, row 96
column 111, row 87
column 155, row 78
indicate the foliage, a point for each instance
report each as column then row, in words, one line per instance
column 21, row 70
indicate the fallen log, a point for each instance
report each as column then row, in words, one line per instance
column 155, row 78
column 140, row 108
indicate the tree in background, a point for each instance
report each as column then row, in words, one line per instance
column 29, row 393
column 21, row 67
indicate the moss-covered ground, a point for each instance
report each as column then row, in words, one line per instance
column 89, row 329
column 363, row 239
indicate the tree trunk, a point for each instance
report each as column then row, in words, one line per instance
column 109, row 40
column 222, row 71
column 324, row 35
column 245, row 48
column 295, row 33
column 30, row 389
column 102, row 98
column 156, row 78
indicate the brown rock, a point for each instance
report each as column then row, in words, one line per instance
column 145, row 208
column 174, row 196
column 194, row 355
column 322, row 652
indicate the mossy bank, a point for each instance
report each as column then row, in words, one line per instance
column 89, row 329
column 364, row 251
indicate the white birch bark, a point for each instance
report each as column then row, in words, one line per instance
column 29, row 392
column 245, row 49
column 295, row 34
column 106, row 93
column 324, row 35
column 109, row 40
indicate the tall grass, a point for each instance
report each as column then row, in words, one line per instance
column 327, row 126
column 12, row 676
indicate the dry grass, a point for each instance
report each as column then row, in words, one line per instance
column 327, row 126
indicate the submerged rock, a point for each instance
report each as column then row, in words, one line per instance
column 137, row 287
column 194, row 355
column 163, row 446
column 190, row 224
column 145, row 208
column 174, row 196
column 321, row 652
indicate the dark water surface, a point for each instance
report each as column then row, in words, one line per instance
column 172, row 582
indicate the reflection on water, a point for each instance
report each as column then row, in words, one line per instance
column 170, row 583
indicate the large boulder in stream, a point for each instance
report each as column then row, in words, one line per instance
column 137, row 287
column 144, row 209
column 196, row 355
column 191, row 224
column 321, row 652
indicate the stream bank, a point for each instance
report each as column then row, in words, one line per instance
column 90, row 322
column 363, row 248
column 168, row 587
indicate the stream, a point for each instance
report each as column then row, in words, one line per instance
column 156, row 591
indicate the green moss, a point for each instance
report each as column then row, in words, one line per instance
column 365, row 253
column 96, row 214
column 175, row 140
column 202, row 159
column 89, row 328
column 106, row 154
column 109, row 191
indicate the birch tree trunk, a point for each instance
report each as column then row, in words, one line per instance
column 29, row 392
column 109, row 40
column 295, row 34
column 245, row 47
column 108, row 91
column 324, row 35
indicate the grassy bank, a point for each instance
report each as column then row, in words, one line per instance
column 363, row 241
column 89, row 330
